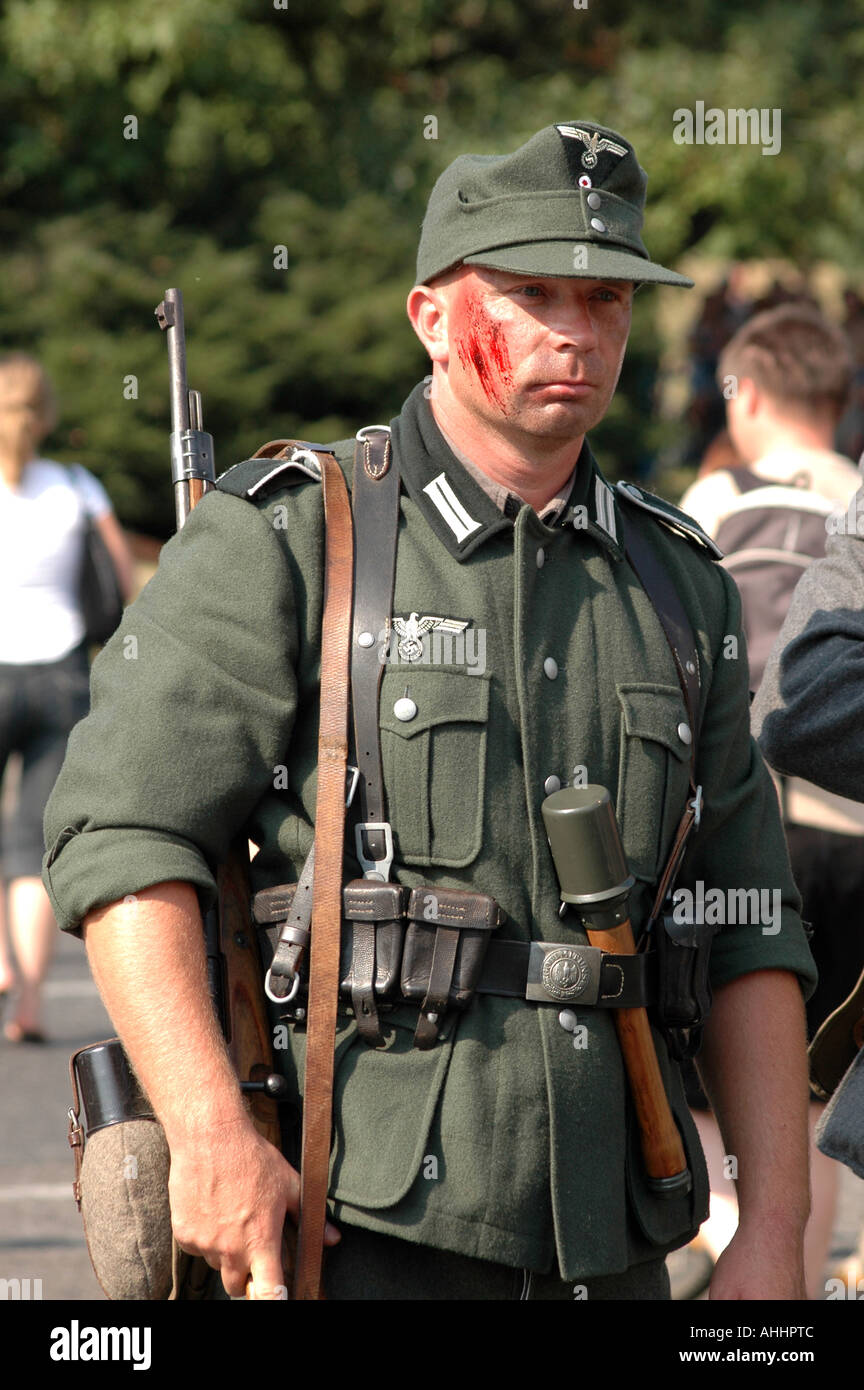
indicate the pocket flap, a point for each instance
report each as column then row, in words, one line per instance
column 656, row 712
column 441, row 697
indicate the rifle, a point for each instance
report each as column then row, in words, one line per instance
column 234, row 971
column 117, row 1116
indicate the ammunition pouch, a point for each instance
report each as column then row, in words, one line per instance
column 422, row 945
column 683, row 952
column 445, row 945
column 373, row 932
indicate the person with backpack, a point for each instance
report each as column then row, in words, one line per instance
column 786, row 376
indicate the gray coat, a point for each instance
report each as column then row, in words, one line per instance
column 808, row 715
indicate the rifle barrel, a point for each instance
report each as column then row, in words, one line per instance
column 192, row 466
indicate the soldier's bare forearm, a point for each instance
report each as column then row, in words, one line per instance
column 229, row 1188
column 755, row 1073
column 754, row 1067
column 147, row 957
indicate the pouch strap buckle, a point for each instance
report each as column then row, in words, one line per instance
column 374, row 868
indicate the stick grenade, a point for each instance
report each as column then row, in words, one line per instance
column 594, row 877
column 192, row 468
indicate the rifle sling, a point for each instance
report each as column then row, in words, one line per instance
column 327, row 890
column 678, row 630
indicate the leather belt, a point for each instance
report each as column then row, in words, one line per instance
column 546, row 972
column 554, row 972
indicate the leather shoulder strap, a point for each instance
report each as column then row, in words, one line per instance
column 327, row 883
column 657, row 584
column 375, row 503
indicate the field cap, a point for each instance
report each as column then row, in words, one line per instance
column 568, row 202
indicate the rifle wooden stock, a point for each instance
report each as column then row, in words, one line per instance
column 245, row 1023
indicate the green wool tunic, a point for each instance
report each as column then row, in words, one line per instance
column 505, row 1141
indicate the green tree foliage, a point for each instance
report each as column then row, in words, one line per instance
column 306, row 126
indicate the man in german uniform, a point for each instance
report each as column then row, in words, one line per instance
column 502, row 1162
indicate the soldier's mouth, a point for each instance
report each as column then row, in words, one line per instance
column 573, row 389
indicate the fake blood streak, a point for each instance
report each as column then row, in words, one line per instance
column 483, row 348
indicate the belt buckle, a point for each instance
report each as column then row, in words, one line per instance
column 559, row 973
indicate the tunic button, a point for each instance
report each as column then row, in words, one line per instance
column 552, row 784
column 684, row 733
column 550, row 667
column 598, row 225
column 541, row 558
column 568, row 1020
column 405, row 709
column 691, row 668
column 365, row 639
column 593, row 200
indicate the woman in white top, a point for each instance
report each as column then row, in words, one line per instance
column 44, row 671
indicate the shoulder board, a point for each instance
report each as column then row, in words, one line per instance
column 255, row 476
column 671, row 516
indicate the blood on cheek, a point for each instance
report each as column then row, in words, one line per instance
column 483, row 347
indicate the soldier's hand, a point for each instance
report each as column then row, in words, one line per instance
column 230, row 1192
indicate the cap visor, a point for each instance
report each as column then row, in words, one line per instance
column 560, row 258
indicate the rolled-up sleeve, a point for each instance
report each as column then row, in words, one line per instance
column 809, row 712
column 192, row 707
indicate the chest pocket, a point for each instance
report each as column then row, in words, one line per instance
column 435, row 763
column 652, row 773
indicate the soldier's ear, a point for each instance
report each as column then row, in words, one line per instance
column 428, row 310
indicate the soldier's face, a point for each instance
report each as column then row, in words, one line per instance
column 538, row 354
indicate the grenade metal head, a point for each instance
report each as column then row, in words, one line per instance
column 586, row 845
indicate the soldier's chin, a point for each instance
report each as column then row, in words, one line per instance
column 562, row 417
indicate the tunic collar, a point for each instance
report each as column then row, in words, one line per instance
column 461, row 512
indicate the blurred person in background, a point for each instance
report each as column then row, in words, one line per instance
column 723, row 311
column 787, row 374
column 850, row 432
column 44, row 668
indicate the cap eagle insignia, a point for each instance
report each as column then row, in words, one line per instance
column 594, row 144
column 412, row 629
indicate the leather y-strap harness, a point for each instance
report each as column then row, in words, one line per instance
column 375, row 503
column 679, row 634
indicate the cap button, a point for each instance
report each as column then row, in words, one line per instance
column 598, row 225
column 594, row 200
